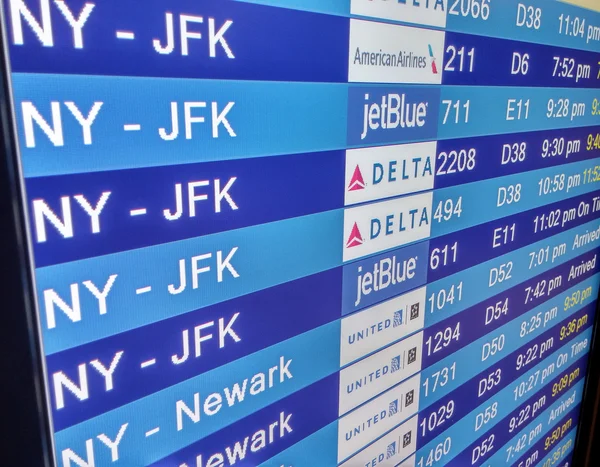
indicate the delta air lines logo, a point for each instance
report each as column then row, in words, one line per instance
column 355, row 238
column 357, row 182
column 421, row 12
column 389, row 171
column 382, row 226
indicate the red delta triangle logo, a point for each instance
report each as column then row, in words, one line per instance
column 355, row 238
column 357, row 182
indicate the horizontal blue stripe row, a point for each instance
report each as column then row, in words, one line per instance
column 562, row 452
column 233, row 257
column 154, row 205
column 270, row 375
column 501, row 155
column 293, row 119
column 505, row 409
column 503, row 19
column 484, row 353
column 502, row 62
column 320, row 448
column 497, row 376
column 463, row 206
column 296, row 417
column 532, row 436
column 228, row 331
column 495, row 311
column 502, row 457
column 480, row 281
column 256, row 42
column 228, row 195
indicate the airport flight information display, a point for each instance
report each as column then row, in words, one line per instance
column 311, row 233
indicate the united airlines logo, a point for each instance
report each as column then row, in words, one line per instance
column 398, row 318
column 433, row 64
column 396, row 364
column 393, row 408
column 391, row 450
column 355, row 238
column 357, row 182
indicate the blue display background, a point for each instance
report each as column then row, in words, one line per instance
column 504, row 280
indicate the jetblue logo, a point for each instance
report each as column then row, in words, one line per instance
column 381, row 277
column 387, row 272
column 392, row 115
column 393, row 111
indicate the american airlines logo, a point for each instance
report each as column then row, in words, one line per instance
column 433, row 64
column 391, row 53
